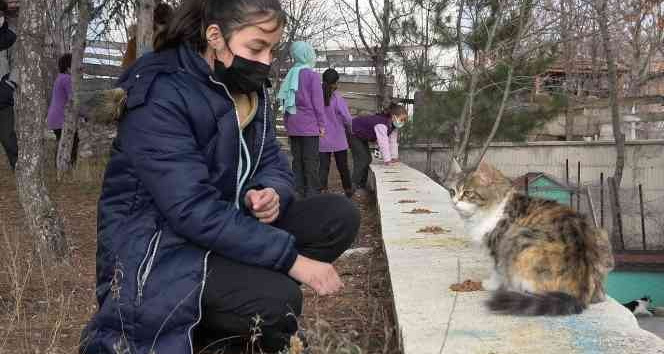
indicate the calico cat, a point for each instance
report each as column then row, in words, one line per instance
column 547, row 258
column 640, row 306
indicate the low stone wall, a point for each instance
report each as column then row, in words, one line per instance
column 427, row 252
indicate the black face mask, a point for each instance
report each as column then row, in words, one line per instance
column 243, row 76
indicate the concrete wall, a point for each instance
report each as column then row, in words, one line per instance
column 433, row 319
column 589, row 117
column 644, row 164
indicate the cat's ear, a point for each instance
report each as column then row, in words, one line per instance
column 487, row 173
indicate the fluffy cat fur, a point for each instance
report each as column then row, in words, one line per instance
column 548, row 260
column 640, row 307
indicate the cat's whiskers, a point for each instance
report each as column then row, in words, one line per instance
column 483, row 222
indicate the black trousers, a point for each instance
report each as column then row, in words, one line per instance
column 341, row 160
column 74, row 151
column 361, row 161
column 8, row 135
column 306, row 164
column 236, row 294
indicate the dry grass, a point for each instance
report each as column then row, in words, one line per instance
column 44, row 307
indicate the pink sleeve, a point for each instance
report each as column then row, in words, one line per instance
column 383, row 141
column 394, row 144
column 342, row 110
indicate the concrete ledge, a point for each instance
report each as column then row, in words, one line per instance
column 438, row 146
column 434, row 320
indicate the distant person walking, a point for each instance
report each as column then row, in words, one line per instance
column 62, row 94
column 7, row 87
column 301, row 95
column 334, row 141
column 382, row 128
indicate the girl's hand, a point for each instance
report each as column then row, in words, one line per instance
column 264, row 204
column 322, row 277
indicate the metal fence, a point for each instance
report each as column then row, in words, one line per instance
column 641, row 211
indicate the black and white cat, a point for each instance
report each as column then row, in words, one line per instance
column 640, row 306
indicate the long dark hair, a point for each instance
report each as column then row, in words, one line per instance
column 330, row 78
column 193, row 17
column 64, row 63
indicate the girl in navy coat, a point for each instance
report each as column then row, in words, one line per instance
column 198, row 231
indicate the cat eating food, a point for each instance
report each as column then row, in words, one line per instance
column 547, row 258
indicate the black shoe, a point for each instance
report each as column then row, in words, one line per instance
column 349, row 193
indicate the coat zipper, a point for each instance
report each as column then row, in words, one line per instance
column 238, row 177
column 150, row 255
column 243, row 176
column 200, row 303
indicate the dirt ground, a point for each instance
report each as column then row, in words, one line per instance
column 44, row 307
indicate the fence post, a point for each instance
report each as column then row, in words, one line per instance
column 578, row 186
column 617, row 232
column 601, row 199
column 591, row 206
column 527, row 188
column 643, row 220
column 571, row 193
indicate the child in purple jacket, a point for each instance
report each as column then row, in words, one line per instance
column 337, row 119
column 381, row 128
column 62, row 94
column 301, row 95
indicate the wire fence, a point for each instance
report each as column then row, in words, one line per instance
column 642, row 211
column 584, row 186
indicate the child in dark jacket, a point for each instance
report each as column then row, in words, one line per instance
column 199, row 237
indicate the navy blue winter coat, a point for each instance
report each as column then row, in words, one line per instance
column 172, row 193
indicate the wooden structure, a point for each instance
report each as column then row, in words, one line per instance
column 639, row 260
column 582, row 77
column 542, row 185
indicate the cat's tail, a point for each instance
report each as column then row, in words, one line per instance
column 528, row 304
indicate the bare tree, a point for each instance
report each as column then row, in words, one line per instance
column 462, row 134
column 374, row 31
column 415, row 39
column 616, row 119
column 71, row 120
column 144, row 28
column 523, row 19
column 569, row 54
column 44, row 222
column 60, row 24
column 308, row 20
column 645, row 29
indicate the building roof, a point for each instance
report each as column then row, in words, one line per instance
column 520, row 182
